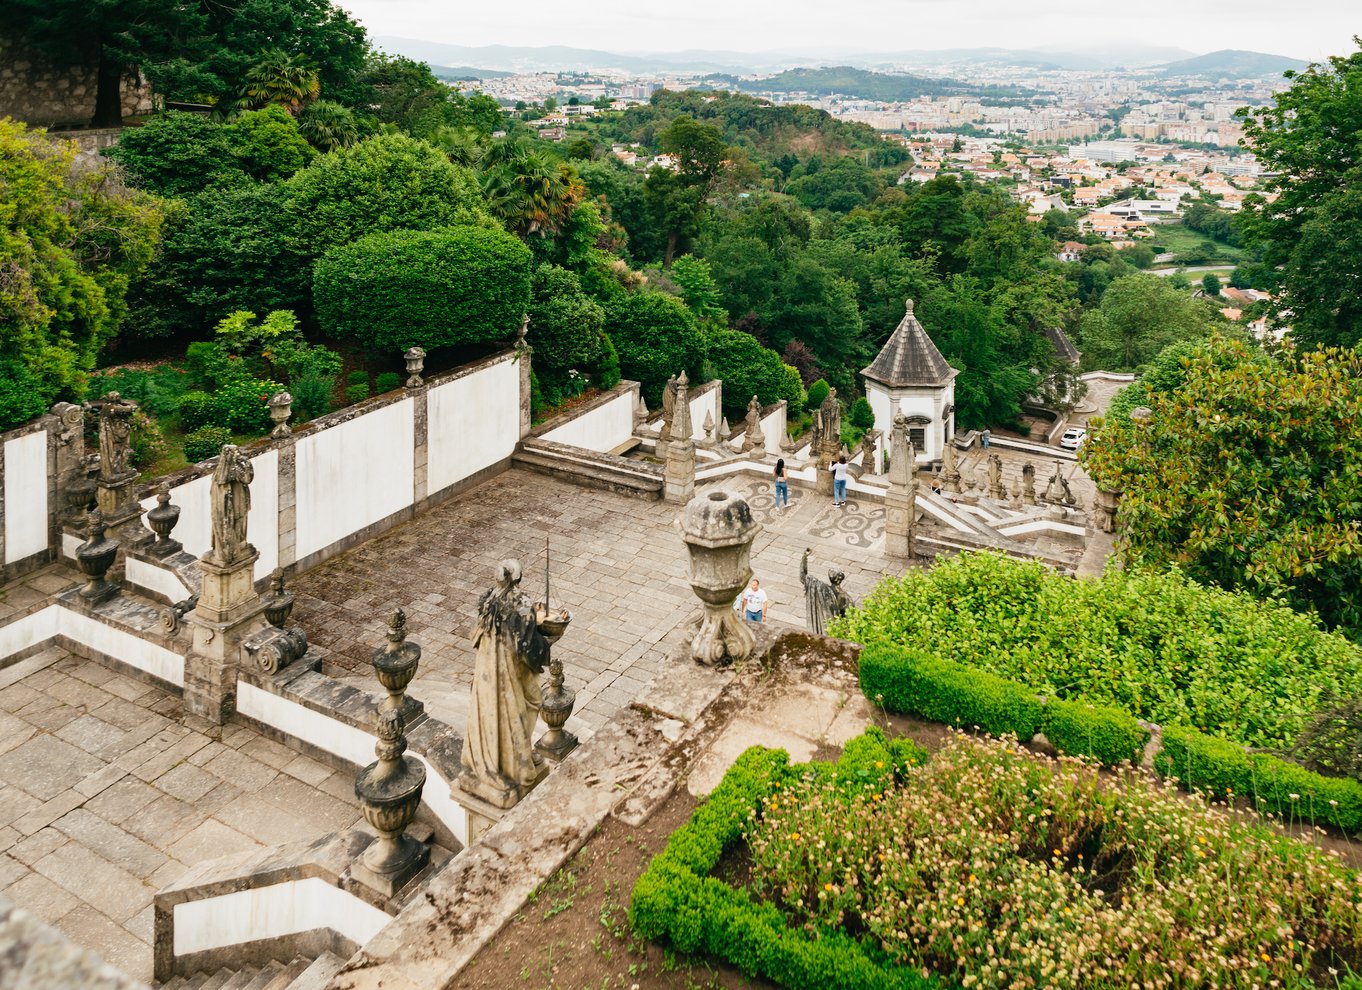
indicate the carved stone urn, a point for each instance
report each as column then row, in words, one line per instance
column 389, row 792
column 719, row 529
column 281, row 408
column 396, row 663
column 95, row 556
column 162, row 519
column 559, row 699
column 415, row 359
column 279, row 602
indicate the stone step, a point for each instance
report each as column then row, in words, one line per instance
column 318, row 973
column 288, row 974
column 240, row 979
column 265, row 976
column 218, row 980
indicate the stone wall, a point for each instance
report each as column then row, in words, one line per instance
column 35, row 90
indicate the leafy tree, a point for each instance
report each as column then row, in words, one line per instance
column 406, row 94
column 326, row 125
column 280, row 80
column 178, row 154
column 815, row 306
column 934, row 220
column 656, row 337
column 225, row 250
column 566, row 328
column 695, row 279
column 438, row 288
column 1248, row 475
column 841, row 186
column 678, row 197
column 992, row 382
column 268, row 144
column 1138, row 317
column 526, row 191
column 747, row 369
column 389, row 182
column 1210, row 284
column 71, row 240
column 1309, row 139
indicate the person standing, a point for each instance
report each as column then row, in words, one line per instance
column 839, row 481
column 985, row 437
column 753, row 602
column 782, row 484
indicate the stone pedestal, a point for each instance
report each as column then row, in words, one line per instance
column 678, row 475
column 475, row 792
column 228, row 612
column 900, row 501
column 719, row 529
column 117, row 499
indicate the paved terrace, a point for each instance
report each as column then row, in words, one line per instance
column 618, row 565
column 106, row 796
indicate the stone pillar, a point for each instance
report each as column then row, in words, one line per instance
column 719, row 529
column 900, row 501
column 229, row 610
column 116, row 492
column 525, row 355
column 679, row 471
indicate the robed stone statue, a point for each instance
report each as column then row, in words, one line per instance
column 231, row 504
column 500, row 764
column 823, row 600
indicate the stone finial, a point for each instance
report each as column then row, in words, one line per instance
column 395, row 663
column 279, row 602
column 908, row 306
column 524, row 331
column 95, row 556
column 1141, row 414
column 640, row 412
column 709, row 426
column 389, row 792
column 415, row 357
column 678, row 474
column 281, row 407
column 718, row 530
column 162, row 519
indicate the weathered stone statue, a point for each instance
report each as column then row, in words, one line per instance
column 1057, row 490
column 827, row 440
column 870, row 442
column 823, row 600
column 115, row 437
column 996, row 489
column 1029, row 483
column 500, row 764
column 754, row 440
column 950, row 470
column 231, row 505
column 664, row 434
column 718, row 529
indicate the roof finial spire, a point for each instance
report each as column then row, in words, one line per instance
column 910, row 307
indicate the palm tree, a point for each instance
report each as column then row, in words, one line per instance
column 526, row 191
column 327, row 125
column 462, row 145
column 279, row 78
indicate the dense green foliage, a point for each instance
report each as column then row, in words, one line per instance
column 1309, row 139
column 656, row 337
column 206, row 442
column 1248, row 476
column 71, row 239
column 848, row 81
column 1139, row 316
column 678, row 900
column 1156, row 645
column 438, row 288
column 566, row 331
column 747, row 369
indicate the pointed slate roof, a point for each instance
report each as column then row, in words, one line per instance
column 1064, row 347
column 909, row 357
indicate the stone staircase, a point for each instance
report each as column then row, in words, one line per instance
column 300, row 974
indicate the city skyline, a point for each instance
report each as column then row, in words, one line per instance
column 1316, row 29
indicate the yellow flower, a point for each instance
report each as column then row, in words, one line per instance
column 1267, row 958
column 879, row 764
column 960, row 900
column 1056, row 852
column 827, row 886
column 794, row 836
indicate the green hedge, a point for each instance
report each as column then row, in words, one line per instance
column 675, row 899
column 908, row 682
column 942, row 691
column 1225, row 769
column 1106, row 734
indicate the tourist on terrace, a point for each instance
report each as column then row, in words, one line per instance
column 782, row 484
column 839, row 481
column 753, row 602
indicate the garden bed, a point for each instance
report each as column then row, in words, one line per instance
column 986, row 865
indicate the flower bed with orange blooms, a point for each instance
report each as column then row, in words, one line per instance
column 988, row 866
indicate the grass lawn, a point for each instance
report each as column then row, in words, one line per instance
column 1186, row 244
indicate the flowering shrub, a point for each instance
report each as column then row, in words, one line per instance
column 1160, row 647
column 995, row 868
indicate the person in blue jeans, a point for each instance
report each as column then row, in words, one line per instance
column 984, row 438
column 782, row 484
column 753, row 602
column 839, row 482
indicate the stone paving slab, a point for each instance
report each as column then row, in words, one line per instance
column 109, row 797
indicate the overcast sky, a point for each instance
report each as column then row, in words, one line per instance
column 1309, row 29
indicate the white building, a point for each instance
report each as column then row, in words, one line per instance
column 911, row 376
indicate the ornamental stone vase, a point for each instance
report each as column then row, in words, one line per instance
column 95, row 556
column 559, row 699
column 718, row 529
column 279, row 602
column 389, row 792
column 162, row 519
column 395, row 663
column 415, row 358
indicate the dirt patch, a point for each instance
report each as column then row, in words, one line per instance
column 574, row 932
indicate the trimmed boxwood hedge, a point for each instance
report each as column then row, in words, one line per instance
column 676, row 899
column 908, row 682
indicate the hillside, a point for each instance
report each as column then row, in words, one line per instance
column 849, row 81
column 1231, row 63
column 457, row 72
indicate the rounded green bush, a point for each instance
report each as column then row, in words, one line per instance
column 356, row 393
column 387, row 382
column 818, row 391
column 439, row 288
column 656, row 337
column 20, row 395
column 197, row 408
column 747, row 369
column 206, row 442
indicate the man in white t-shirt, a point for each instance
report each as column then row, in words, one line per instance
column 753, row 602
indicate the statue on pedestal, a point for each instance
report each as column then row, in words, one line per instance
column 231, row 505
column 500, row 764
column 823, row 600
column 664, row 433
column 996, row 489
column 753, row 437
column 870, row 441
column 115, row 437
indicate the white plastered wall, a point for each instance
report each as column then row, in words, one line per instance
column 472, row 423
column 25, row 483
column 603, row 428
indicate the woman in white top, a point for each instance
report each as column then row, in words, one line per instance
column 839, row 482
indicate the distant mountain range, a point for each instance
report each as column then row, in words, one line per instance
column 1233, row 64
column 867, row 85
column 496, row 59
